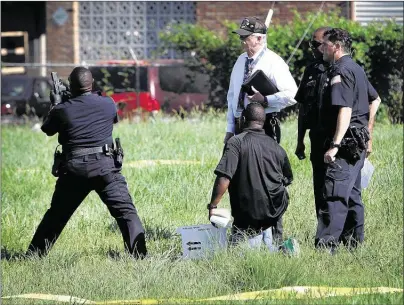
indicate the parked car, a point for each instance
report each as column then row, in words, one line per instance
column 165, row 85
column 22, row 94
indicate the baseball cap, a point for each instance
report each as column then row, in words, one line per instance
column 251, row 25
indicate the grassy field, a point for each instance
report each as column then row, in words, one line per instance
column 170, row 196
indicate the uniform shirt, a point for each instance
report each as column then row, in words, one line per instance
column 310, row 92
column 349, row 87
column 83, row 121
column 258, row 169
column 276, row 70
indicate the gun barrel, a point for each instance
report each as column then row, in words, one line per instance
column 56, row 82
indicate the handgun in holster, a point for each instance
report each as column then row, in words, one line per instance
column 118, row 153
column 362, row 136
column 349, row 150
column 57, row 162
column 354, row 144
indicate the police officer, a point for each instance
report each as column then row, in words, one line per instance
column 309, row 95
column 84, row 125
column 344, row 117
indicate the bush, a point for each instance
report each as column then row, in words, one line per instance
column 377, row 48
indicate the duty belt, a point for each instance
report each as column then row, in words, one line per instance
column 75, row 153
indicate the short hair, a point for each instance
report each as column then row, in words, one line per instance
column 81, row 79
column 322, row 29
column 341, row 36
column 254, row 112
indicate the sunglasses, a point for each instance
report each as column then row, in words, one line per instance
column 314, row 44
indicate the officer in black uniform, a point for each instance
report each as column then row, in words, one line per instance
column 84, row 124
column 344, row 117
column 309, row 95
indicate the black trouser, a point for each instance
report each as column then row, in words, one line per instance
column 318, row 166
column 82, row 175
column 341, row 217
column 272, row 128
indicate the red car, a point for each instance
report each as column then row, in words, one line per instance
column 162, row 84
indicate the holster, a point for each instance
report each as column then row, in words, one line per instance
column 354, row 143
column 118, row 153
column 57, row 162
column 350, row 150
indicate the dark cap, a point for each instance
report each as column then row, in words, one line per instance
column 251, row 25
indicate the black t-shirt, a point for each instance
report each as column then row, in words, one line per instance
column 349, row 87
column 258, row 169
column 83, row 121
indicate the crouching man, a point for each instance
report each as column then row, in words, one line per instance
column 256, row 170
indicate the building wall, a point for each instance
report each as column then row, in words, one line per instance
column 63, row 44
column 211, row 13
column 60, row 40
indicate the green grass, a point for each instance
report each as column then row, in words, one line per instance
column 170, row 196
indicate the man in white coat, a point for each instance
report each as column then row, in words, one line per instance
column 257, row 56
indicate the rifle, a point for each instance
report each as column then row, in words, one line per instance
column 58, row 86
column 59, row 89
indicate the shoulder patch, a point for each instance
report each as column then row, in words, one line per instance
column 336, row 79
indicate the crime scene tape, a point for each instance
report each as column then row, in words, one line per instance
column 293, row 292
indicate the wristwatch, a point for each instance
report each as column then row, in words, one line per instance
column 211, row 206
column 334, row 145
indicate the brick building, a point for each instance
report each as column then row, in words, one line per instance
column 73, row 32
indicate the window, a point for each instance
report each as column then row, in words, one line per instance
column 180, row 79
column 14, row 86
column 108, row 28
column 119, row 79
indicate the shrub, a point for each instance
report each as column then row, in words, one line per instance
column 377, row 48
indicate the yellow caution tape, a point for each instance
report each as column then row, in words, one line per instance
column 50, row 297
column 294, row 292
column 299, row 292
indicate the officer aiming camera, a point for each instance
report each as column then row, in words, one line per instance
column 84, row 123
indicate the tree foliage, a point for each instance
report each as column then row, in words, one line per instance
column 377, row 47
